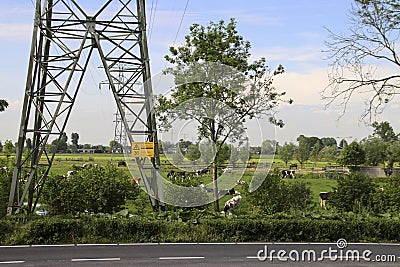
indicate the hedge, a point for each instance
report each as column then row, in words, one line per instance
column 56, row 230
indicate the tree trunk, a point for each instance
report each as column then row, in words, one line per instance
column 215, row 187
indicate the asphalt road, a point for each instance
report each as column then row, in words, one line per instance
column 208, row 254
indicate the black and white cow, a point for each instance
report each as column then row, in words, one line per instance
column 323, row 197
column 232, row 203
column 286, row 173
column 201, row 172
column 171, row 174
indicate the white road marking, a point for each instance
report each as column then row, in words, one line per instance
column 11, row 262
column 46, row 246
column 95, row 245
column 97, row 259
column 181, row 258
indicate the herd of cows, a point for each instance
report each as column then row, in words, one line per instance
column 229, row 205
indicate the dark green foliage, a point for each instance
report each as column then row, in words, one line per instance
column 387, row 199
column 384, row 131
column 286, row 152
column 87, row 229
column 375, row 151
column 352, row 155
column 303, row 150
column 5, row 183
column 100, row 189
column 354, row 193
column 274, row 195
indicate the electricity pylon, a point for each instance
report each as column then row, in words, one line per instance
column 64, row 38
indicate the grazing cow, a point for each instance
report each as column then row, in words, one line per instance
column 202, row 172
column 95, row 165
column 70, row 173
column 182, row 175
column 170, row 174
column 176, row 175
column 121, row 163
column 5, row 169
column 293, row 166
column 87, row 165
column 323, row 197
column 286, row 173
column 232, row 203
column 240, row 182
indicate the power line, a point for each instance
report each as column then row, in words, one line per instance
column 152, row 17
column 180, row 24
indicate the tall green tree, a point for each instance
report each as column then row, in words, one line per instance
column 384, row 131
column 3, row 105
column 343, row 143
column 8, row 148
column 287, row 152
column 392, row 154
column 328, row 141
column 218, row 87
column 74, row 141
column 115, row 147
column 304, row 148
column 302, row 153
column 75, row 138
column 370, row 43
column 352, row 155
column 375, row 151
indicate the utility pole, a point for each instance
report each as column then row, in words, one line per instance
column 64, row 38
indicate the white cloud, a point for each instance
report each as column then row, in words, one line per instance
column 303, row 88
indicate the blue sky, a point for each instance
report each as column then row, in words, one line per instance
column 287, row 32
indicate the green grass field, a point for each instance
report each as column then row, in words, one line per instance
column 65, row 162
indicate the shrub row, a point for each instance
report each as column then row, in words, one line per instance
column 55, row 230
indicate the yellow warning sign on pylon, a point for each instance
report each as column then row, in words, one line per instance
column 143, row 149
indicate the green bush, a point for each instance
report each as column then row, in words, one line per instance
column 387, row 198
column 5, row 183
column 353, row 193
column 87, row 229
column 274, row 195
column 97, row 190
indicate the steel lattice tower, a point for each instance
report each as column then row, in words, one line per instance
column 64, row 39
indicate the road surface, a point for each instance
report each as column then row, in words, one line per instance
column 203, row 254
